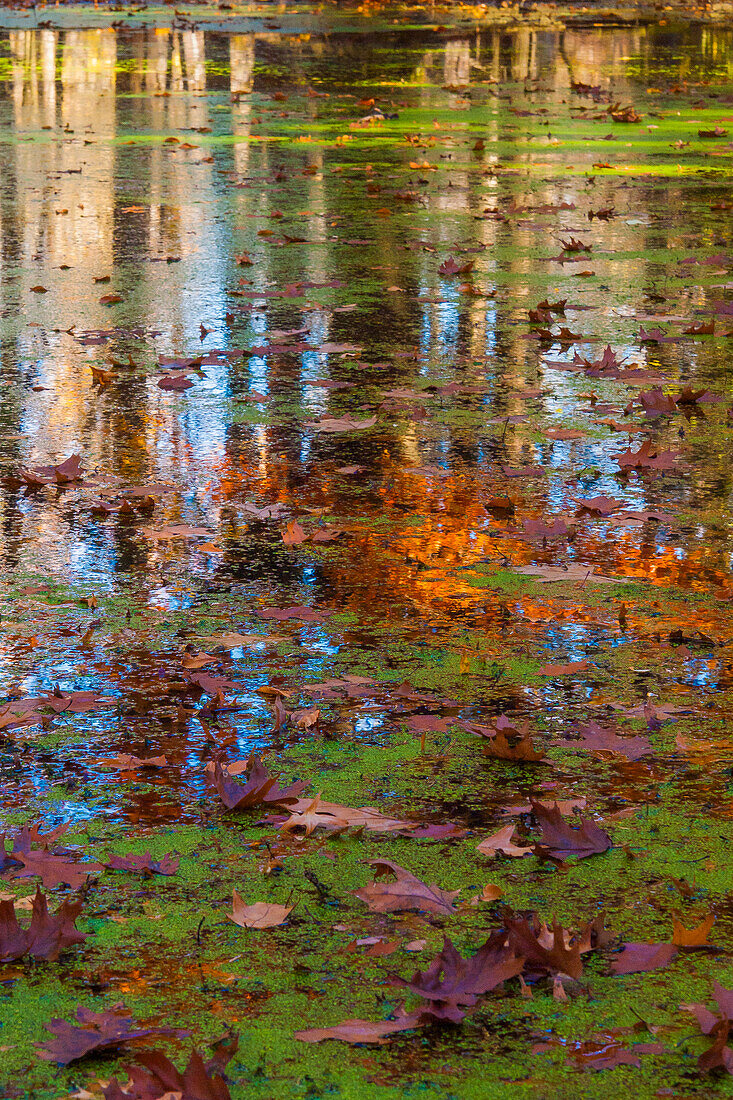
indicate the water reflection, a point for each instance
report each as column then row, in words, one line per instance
column 151, row 165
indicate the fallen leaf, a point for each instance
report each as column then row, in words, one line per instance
column 94, row 1031
column 635, row 958
column 406, row 892
column 48, row 934
column 261, row 914
column 503, row 843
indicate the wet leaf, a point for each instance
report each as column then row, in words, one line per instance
column 404, row 893
column 94, row 1031
column 262, row 914
column 48, row 934
column 636, row 958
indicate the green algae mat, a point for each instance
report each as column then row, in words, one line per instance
column 365, row 430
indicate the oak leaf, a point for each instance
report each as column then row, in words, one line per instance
column 451, row 983
column 48, row 934
column 406, row 892
column 503, row 843
column 167, row 865
column 94, row 1031
column 636, row 958
column 361, row 1031
column 260, row 789
column 161, row 1080
column 262, row 914
column 560, row 840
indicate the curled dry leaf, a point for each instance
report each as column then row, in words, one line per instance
column 262, row 914
column 314, row 814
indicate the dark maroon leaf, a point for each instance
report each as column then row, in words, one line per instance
column 260, row 788
column 48, row 934
column 94, row 1031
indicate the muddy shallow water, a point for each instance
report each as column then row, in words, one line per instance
column 331, row 249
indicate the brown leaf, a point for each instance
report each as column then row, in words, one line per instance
column 346, row 423
column 128, row 762
column 503, row 843
column 361, row 1031
column 506, row 741
column 167, row 865
column 692, row 937
column 406, row 892
column 544, row 951
column 262, row 914
column 597, row 738
column 635, row 958
column 451, row 984
column 563, row 670
column 54, row 869
column 314, row 814
column 294, row 534
column 161, row 1080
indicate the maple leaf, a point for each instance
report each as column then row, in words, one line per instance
column 543, row 951
column 559, row 840
column 94, row 1031
column 260, row 789
column 48, row 934
column 160, row 1079
column 406, row 892
column 262, row 914
column 168, row 865
column 635, row 958
column 452, row 981
column 361, row 1031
